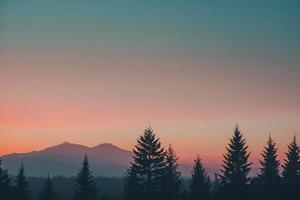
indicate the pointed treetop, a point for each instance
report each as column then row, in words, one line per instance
column 236, row 166
column 149, row 125
column 170, row 149
column 269, row 164
column 291, row 166
column 237, row 126
column 22, row 191
column 86, row 187
column 149, row 129
column 200, row 183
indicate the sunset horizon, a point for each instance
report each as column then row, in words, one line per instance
column 217, row 82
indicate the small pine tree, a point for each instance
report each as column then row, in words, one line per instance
column 236, row 167
column 148, row 165
column 291, row 166
column 172, row 177
column 5, row 184
column 48, row 192
column 200, row 183
column 85, row 188
column 132, row 187
column 291, row 170
column 269, row 178
column 22, row 191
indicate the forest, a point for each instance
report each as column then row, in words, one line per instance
column 153, row 175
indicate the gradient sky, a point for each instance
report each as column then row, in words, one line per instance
column 99, row 71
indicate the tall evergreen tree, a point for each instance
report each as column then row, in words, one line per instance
column 269, row 178
column 236, row 167
column 48, row 192
column 200, row 183
column 22, row 192
column 172, row 177
column 85, row 188
column 148, row 165
column 291, row 170
column 5, row 184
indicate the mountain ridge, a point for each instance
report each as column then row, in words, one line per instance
column 65, row 159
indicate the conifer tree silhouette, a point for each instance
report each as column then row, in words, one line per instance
column 85, row 188
column 148, row 165
column 269, row 178
column 291, row 166
column 48, row 192
column 5, row 184
column 132, row 187
column 235, row 169
column 291, row 170
column 172, row 177
column 200, row 183
column 22, row 192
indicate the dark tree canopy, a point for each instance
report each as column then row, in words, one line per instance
column 48, row 192
column 291, row 170
column 291, row 166
column 235, row 168
column 5, row 184
column 21, row 190
column 172, row 177
column 200, row 183
column 132, row 185
column 269, row 179
column 269, row 171
column 148, row 165
column 85, row 188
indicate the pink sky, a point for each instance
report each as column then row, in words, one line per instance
column 192, row 102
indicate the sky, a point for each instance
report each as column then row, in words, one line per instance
column 98, row 71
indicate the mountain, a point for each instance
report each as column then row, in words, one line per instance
column 65, row 159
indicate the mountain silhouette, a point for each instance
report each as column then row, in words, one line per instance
column 65, row 159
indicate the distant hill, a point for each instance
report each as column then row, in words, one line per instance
column 65, row 159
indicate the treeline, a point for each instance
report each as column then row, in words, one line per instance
column 153, row 175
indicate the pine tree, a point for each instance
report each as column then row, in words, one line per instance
column 172, row 177
column 269, row 178
column 85, row 184
column 5, row 184
column 235, row 168
column 48, row 192
column 291, row 170
column 200, row 183
column 132, row 186
column 22, row 192
column 291, row 166
column 148, row 165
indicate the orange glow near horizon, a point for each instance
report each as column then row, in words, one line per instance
column 195, row 108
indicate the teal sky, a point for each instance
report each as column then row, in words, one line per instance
column 71, row 68
column 238, row 28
